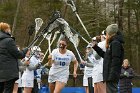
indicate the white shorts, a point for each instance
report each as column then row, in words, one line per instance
column 85, row 82
column 27, row 83
column 19, row 82
column 52, row 78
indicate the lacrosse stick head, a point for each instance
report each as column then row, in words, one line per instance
column 75, row 40
column 39, row 23
column 47, row 36
column 54, row 16
column 60, row 21
column 55, row 34
column 71, row 3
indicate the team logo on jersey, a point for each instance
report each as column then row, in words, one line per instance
column 61, row 59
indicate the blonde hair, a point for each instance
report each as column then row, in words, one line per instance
column 4, row 26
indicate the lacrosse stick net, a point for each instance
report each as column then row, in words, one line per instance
column 39, row 23
column 54, row 37
column 73, row 7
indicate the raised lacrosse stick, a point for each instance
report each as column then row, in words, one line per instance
column 39, row 23
column 72, row 29
column 67, row 32
column 55, row 16
column 38, row 77
column 68, row 29
column 48, row 37
column 54, row 37
column 36, row 48
column 72, row 5
column 75, row 42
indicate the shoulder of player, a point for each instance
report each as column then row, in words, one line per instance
column 55, row 50
column 69, row 52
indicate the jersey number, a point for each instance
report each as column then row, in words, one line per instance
column 62, row 63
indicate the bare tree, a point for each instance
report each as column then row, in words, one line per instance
column 15, row 18
column 120, row 14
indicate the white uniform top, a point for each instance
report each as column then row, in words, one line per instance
column 60, row 66
column 102, row 45
column 88, row 70
column 29, row 74
column 98, row 65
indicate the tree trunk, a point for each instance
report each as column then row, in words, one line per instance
column 129, row 30
column 115, row 11
column 120, row 14
column 138, row 38
column 15, row 18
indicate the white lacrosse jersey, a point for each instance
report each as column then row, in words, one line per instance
column 88, row 70
column 102, row 45
column 29, row 74
column 98, row 66
column 60, row 67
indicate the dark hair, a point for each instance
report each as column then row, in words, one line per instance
column 64, row 39
column 98, row 39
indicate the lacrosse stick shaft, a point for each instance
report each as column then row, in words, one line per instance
column 38, row 46
column 35, row 34
column 36, row 38
column 45, row 54
column 78, row 53
column 54, row 37
column 73, row 7
column 82, row 24
column 49, row 47
column 49, row 44
column 39, row 85
column 90, row 85
column 79, row 34
column 33, row 42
